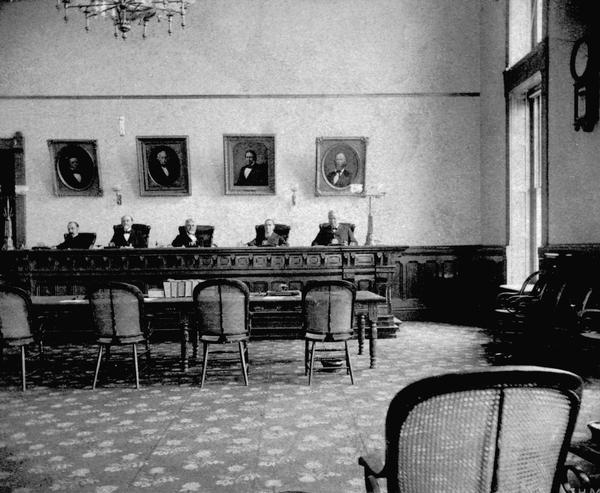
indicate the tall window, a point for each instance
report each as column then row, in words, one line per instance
column 526, row 178
column 526, row 27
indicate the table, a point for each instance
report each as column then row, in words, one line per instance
column 366, row 304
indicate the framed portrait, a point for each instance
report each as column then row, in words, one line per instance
column 163, row 165
column 341, row 164
column 249, row 164
column 75, row 165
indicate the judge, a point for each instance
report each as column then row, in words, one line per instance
column 188, row 238
column 73, row 238
column 334, row 233
column 270, row 238
column 127, row 236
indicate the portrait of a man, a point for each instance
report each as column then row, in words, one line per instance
column 249, row 164
column 340, row 165
column 164, row 167
column 75, row 168
column 340, row 177
column 252, row 173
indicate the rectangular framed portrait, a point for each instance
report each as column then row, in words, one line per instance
column 75, row 167
column 249, row 164
column 163, row 165
column 341, row 165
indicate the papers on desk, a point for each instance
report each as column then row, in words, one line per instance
column 180, row 288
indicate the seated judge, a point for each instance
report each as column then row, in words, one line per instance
column 127, row 237
column 271, row 239
column 188, row 237
column 73, row 239
column 334, row 233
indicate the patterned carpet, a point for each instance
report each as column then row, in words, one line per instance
column 276, row 435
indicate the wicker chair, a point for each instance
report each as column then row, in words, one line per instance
column 504, row 429
column 223, row 317
column 16, row 325
column 328, row 311
column 118, row 316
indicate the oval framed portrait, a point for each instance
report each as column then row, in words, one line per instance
column 340, row 167
column 75, row 167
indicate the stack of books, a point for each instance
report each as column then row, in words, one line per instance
column 180, row 288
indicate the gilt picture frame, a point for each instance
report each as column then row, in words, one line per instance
column 75, row 167
column 249, row 162
column 341, row 165
column 163, row 165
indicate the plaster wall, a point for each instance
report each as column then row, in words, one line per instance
column 573, row 168
column 406, row 74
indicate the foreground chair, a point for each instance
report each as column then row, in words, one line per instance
column 223, row 317
column 118, row 317
column 328, row 308
column 15, row 324
column 503, row 429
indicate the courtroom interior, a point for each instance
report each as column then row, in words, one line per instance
column 227, row 246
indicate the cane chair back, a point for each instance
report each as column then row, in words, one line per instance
column 328, row 310
column 15, row 309
column 505, row 429
column 118, row 317
column 15, row 323
column 223, row 317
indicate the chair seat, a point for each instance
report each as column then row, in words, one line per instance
column 121, row 340
column 223, row 339
column 19, row 341
column 319, row 336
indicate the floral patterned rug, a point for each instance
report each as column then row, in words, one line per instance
column 275, row 435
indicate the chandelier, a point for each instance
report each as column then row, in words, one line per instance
column 124, row 13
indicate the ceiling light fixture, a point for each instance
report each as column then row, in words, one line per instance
column 126, row 12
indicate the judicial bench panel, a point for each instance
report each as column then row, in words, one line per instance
column 420, row 282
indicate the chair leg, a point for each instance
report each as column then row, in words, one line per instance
column 135, row 365
column 97, row 366
column 204, row 362
column 306, row 357
column 349, row 363
column 243, row 361
column 312, row 360
column 23, row 370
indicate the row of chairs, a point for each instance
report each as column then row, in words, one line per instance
column 546, row 302
column 222, row 317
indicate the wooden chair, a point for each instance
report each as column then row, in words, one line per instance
column 144, row 229
column 504, row 429
column 16, row 325
column 118, row 317
column 350, row 225
column 223, row 317
column 204, row 234
column 87, row 239
column 282, row 230
column 328, row 312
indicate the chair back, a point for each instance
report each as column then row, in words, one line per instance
column 222, row 309
column 15, row 310
column 501, row 429
column 282, row 230
column 87, row 239
column 328, row 309
column 204, row 234
column 117, row 311
column 143, row 229
column 350, row 225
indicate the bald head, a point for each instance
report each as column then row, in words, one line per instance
column 126, row 222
